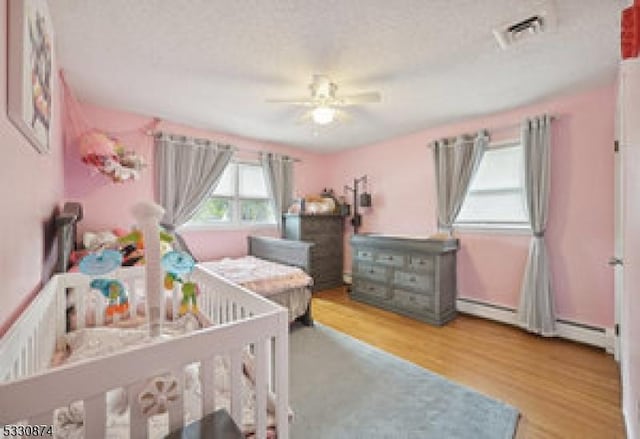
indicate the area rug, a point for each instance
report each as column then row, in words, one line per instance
column 342, row 388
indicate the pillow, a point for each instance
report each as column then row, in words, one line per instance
column 99, row 240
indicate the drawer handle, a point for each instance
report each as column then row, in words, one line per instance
column 390, row 258
column 372, row 289
column 421, row 262
column 412, row 279
column 372, row 271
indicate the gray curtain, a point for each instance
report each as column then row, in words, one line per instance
column 456, row 160
column 278, row 171
column 186, row 172
column 535, row 312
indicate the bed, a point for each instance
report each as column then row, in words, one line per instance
column 274, row 268
column 245, row 332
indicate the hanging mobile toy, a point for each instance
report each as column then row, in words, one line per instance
column 176, row 264
column 100, row 263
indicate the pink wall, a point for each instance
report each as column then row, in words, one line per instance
column 580, row 231
column 107, row 205
column 30, row 189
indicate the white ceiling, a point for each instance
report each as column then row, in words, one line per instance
column 212, row 63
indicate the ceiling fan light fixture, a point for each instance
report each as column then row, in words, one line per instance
column 323, row 115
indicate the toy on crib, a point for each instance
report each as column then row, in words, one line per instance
column 133, row 250
column 101, row 263
column 135, row 237
column 176, row 264
column 115, row 292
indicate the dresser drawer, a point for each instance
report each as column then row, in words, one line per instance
column 416, row 281
column 321, row 267
column 372, row 289
column 364, row 255
column 326, row 251
column 371, row 271
column 421, row 263
column 390, row 259
column 413, row 302
column 329, row 225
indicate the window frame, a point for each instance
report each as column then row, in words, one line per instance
column 517, row 227
column 235, row 223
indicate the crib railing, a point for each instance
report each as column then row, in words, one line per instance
column 29, row 344
column 241, row 319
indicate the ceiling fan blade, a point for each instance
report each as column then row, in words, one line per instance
column 294, row 101
column 361, row 98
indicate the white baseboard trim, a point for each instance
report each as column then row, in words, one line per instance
column 600, row 337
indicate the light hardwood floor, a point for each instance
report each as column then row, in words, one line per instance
column 562, row 389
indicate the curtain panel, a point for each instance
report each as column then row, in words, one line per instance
column 456, row 161
column 536, row 310
column 278, row 171
column 186, row 172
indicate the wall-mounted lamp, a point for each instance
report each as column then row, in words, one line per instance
column 364, row 201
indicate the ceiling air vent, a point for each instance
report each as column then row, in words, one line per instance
column 524, row 28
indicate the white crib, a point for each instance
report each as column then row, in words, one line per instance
column 30, row 391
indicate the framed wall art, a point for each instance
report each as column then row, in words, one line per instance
column 30, row 70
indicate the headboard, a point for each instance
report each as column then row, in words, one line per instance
column 283, row 251
column 65, row 224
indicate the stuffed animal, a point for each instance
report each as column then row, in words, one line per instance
column 133, row 246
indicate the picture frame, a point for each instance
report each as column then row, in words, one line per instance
column 30, row 70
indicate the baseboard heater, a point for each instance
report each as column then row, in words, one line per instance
column 579, row 332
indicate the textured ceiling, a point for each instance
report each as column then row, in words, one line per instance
column 212, row 64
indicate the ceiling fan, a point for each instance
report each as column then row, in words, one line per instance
column 325, row 105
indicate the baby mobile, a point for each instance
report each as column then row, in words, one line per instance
column 103, row 152
column 100, row 264
column 178, row 266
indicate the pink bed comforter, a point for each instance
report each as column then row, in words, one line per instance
column 264, row 277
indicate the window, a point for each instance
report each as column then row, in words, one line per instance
column 240, row 198
column 496, row 196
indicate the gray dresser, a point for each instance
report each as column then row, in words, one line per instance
column 326, row 233
column 410, row 276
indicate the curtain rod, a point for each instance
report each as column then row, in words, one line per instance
column 505, row 127
column 515, row 125
column 500, row 128
column 203, row 140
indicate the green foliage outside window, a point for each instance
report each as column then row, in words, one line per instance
column 258, row 211
column 228, row 206
column 214, row 210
